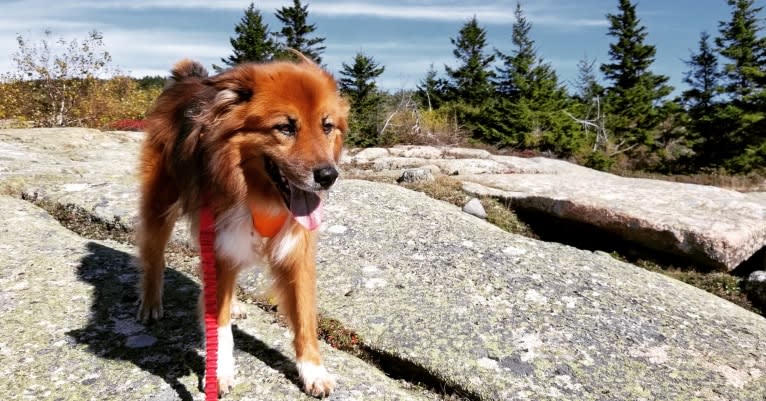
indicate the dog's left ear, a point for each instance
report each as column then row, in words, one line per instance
column 233, row 86
column 302, row 57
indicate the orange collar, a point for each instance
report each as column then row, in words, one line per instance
column 268, row 224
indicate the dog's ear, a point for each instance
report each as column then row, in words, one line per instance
column 302, row 57
column 233, row 86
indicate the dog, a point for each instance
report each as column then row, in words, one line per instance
column 259, row 143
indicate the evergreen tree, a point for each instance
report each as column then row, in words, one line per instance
column 528, row 110
column 587, row 85
column 741, row 145
column 635, row 97
column 253, row 41
column 704, row 83
column 470, row 81
column 703, row 77
column 516, row 69
column 431, row 91
column 295, row 31
column 740, row 44
column 357, row 83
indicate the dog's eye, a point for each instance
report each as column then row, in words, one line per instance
column 286, row 129
column 328, row 128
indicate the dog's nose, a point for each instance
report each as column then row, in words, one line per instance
column 325, row 176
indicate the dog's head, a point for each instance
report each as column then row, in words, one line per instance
column 274, row 135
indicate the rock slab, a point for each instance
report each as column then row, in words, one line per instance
column 714, row 227
column 493, row 315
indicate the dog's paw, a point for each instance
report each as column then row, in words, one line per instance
column 148, row 311
column 317, row 381
column 237, row 311
column 225, row 384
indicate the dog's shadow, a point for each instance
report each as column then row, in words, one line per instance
column 167, row 348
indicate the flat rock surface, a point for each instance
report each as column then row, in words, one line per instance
column 506, row 317
column 69, row 330
column 715, row 227
column 491, row 315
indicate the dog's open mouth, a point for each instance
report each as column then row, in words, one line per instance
column 305, row 206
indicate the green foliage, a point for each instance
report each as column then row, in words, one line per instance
column 587, row 86
column 514, row 75
column 470, row 81
column 295, row 31
column 636, row 94
column 734, row 136
column 431, row 92
column 55, row 74
column 599, row 160
column 358, row 85
column 527, row 110
column 739, row 43
column 253, row 41
column 68, row 83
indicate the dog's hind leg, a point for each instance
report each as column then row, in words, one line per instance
column 157, row 217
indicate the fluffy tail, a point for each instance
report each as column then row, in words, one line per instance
column 188, row 69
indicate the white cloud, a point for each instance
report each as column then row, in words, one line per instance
column 548, row 13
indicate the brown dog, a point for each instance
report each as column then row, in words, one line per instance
column 260, row 142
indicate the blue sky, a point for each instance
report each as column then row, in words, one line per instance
column 145, row 37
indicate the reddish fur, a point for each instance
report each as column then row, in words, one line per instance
column 210, row 135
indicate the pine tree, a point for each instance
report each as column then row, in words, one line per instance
column 741, row 145
column 636, row 95
column 295, row 31
column 528, row 108
column 431, row 91
column 470, row 81
column 587, row 85
column 740, row 44
column 703, row 78
column 253, row 41
column 516, row 69
column 357, row 83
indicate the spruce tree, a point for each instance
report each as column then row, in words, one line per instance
column 253, row 41
column 740, row 44
column 704, row 80
column 357, row 83
column 587, row 85
column 636, row 94
column 742, row 120
column 528, row 109
column 470, row 81
column 295, row 31
column 516, row 69
column 430, row 93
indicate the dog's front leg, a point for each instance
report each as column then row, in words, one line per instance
column 294, row 270
column 226, row 279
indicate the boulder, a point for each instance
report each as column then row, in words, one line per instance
column 415, row 175
column 475, row 208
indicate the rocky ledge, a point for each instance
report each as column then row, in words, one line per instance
column 435, row 295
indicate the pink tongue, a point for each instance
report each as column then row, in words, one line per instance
column 306, row 207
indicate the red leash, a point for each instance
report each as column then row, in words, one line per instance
column 207, row 254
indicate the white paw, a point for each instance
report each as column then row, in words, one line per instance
column 226, row 370
column 237, row 311
column 317, row 381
